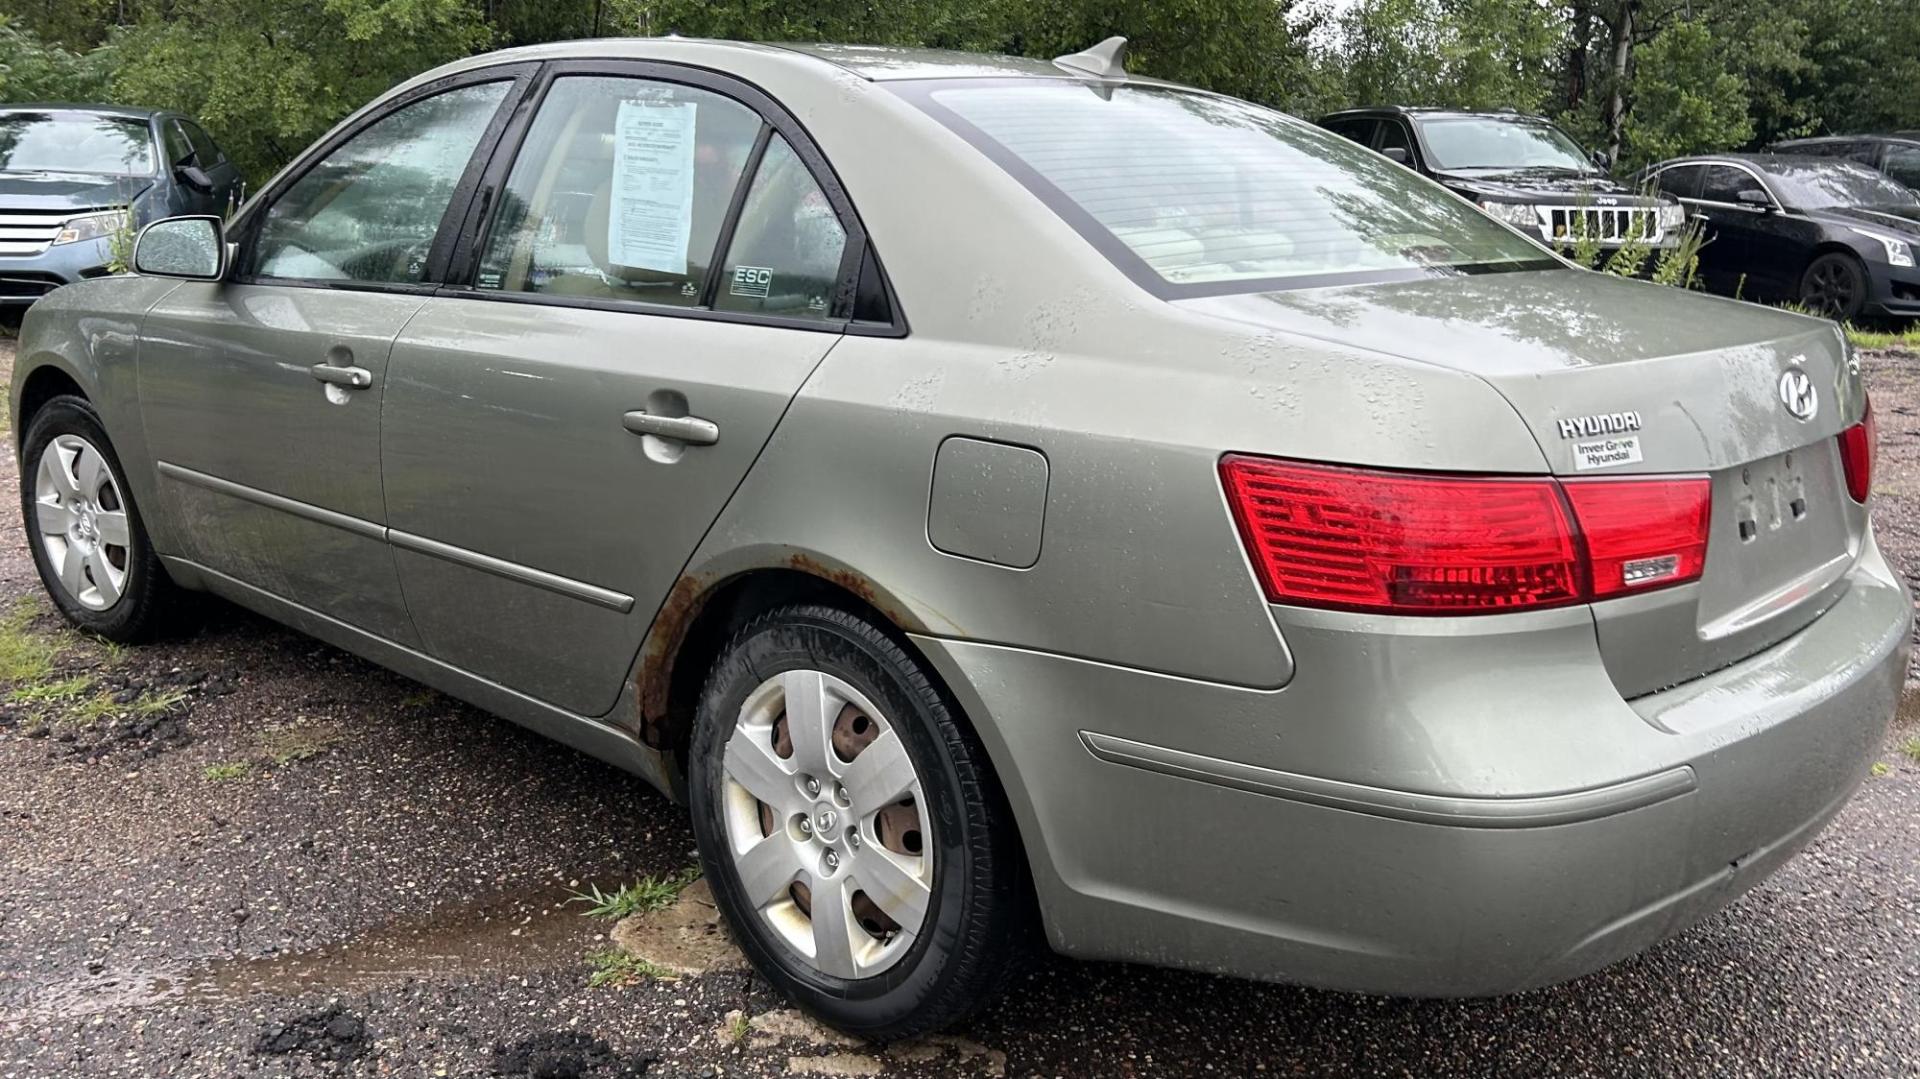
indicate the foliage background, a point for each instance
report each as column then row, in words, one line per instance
column 1643, row 79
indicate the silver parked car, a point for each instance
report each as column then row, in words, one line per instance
column 1003, row 496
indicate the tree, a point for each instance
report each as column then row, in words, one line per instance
column 268, row 78
column 1470, row 54
column 1685, row 100
column 33, row 70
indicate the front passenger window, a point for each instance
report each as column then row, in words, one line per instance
column 369, row 210
column 785, row 256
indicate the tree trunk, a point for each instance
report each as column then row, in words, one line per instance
column 1622, row 61
column 1580, row 41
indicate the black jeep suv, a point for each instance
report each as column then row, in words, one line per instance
column 1520, row 169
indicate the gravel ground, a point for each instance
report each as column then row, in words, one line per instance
column 261, row 856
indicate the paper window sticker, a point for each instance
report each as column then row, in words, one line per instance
column 651, row 219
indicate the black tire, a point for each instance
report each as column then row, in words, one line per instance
column 1835, row 285
column 149, row 599
column 977, row 927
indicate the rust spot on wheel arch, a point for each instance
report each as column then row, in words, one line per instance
column 860, row 586
column 656, row 662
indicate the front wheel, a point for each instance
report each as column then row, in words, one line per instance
column 88, row 542
column 850, row 827
column 1835, row 286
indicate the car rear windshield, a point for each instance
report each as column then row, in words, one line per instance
column 1472, row 142
column 75, row 142
column 1819, row 185
column 1194, row 194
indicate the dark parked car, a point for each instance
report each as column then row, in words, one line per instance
column 1520, row 169
column 1897, row 155
column 1832, row 235
column 71, row 174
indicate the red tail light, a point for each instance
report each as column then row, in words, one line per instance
column 1859, row 445
column 1408, row 543
column 1642, row 534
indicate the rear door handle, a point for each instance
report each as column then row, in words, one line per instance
column 353, row 378
column 689, row 429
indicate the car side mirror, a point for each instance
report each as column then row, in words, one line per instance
column 1601, row 159
column 189, row 248
column 1756, row 199
column 1397, row 155
column 194, row 176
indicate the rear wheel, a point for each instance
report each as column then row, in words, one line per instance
column 850, row 828
column 88, row 542
column 1835, row 285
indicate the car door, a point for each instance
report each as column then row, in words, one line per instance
column 261, row 394
column 1735, row 231
column 654, row 274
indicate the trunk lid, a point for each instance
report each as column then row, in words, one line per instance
column 1616, row 377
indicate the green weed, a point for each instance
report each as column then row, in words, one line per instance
column 616, row 968
column 218, row 773
column 644, row 895
column 1881, row 768
column 66, row 689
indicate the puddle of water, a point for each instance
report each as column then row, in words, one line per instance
column 505, row 935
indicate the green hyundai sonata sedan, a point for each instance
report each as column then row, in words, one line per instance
column 1008, row 500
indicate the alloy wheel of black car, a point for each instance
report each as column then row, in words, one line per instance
column 1835, row 286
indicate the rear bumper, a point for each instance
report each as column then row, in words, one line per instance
column 1165, row 825
column 25, row 279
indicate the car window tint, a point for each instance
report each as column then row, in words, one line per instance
column 1206, row 190
column 1724, row 183
column 1903, row 164
column 369, row 210
column 1682, row 181
column 175, row 141
column 785, row 255
column 205, row 152
column 619, row 192
column 1360, row 131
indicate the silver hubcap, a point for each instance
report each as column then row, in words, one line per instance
column 82, row 521
column 823, row 820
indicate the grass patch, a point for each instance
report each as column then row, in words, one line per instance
column 44, row 693
column 642, row 896
column 1908, row 338
column 156, row 704
column 419, row 699
column 220, row 773
column 285, row 745
column 1881, row 768
column 616, row 968
column 25, row 656
column 89, row 712
column 738, row 1027
column 1911, row 748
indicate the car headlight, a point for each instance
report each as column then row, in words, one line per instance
column 1518, row 214
column 91, row 227
column 1672, row 215
column 1899, row 253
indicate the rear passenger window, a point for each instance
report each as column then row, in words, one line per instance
column 619, row 192
column 785, row 255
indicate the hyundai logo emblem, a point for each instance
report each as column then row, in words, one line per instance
column 1798, row 394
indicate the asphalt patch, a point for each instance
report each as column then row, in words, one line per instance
column 333, row 1034
column 567, row 1054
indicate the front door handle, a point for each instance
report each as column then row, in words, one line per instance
column 353, row 378
column 689, row 429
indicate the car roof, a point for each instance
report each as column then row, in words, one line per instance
column 1431, row 112
column 132, row 112
column 1766, row 162
column 1811, row 140
column 874, row 63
